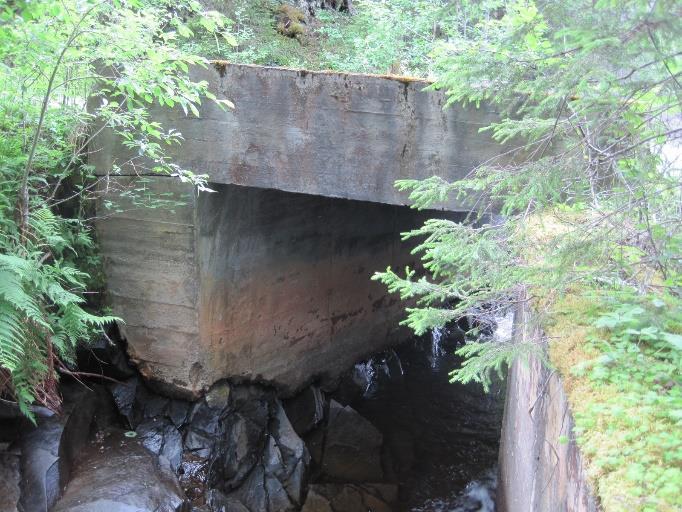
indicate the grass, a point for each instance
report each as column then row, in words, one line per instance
column 273, row 33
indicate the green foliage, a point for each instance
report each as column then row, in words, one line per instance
column 628, row 425
column 586, row 142
column 388, row 36
column 57, row 58
column 382, row 36
column 589, row 98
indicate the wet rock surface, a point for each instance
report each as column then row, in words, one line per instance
column 260, row 463
column 352, row 447
column 118, row 474
column 49, row 450
column 306, row 410
column 357, row 445
column 163, row 439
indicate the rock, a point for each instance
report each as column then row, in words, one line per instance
column 10, row 478
column 391, row 365
column 149, row 405
column 316, row 502
column 245, row 426
column 49, row 450
column 162, row 438
column 178, row 410
column 241, row 450
column 314, row 441
column 401, row 446
column 351, row 386
column 172, row 447
column 352, row 447
column 206, row 428
column 259, row 492
column 218, row 396
column 205, row 419
column 199, row 444
column 350, row 498
column 251, row 494
column 452, row 337
column 278, row 500
column 124, row 397
column 120, row 475
column 219, row 502
column 306, row 410
column 262, row 463
column 104, row 357
column 286, row 457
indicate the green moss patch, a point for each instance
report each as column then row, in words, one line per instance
column 621, row 372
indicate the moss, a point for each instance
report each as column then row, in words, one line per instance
column 290, row 21
column 627, row 402
column 616, row 426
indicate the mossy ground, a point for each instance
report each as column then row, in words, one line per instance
column 272, row 33
column 394, row 37
column 625, row 391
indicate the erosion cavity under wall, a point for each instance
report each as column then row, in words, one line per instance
column 253, row 284
column 539, row 473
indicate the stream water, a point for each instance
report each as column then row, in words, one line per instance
column 443, row 438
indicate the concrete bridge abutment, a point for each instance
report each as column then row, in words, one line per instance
column 254, row 284
column 268, row 278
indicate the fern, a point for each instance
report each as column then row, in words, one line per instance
column 42, row 319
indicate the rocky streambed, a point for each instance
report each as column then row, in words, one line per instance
column 391, row 435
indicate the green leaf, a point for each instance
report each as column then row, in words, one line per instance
column 674, row 339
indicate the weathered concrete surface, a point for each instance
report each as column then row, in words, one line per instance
column 538, row 472
column 331, row 134
column 153, row 280
column 253, row 284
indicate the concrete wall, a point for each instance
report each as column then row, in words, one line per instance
column 330, row 134
column 252, row 283
column 538, row 473
column 151, row 268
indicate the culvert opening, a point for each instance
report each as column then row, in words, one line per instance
column 440, row 440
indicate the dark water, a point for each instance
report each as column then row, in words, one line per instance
column 441, row 438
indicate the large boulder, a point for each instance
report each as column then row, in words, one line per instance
column 352, row 447
column 265, row 464
column 286, row 457
column 118, row 474
column 161, row 437
column 49, row 450
column 245, row 426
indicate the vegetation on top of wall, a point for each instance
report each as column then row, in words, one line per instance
column 621, row 370
column 590, row 102
column 381, row 36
